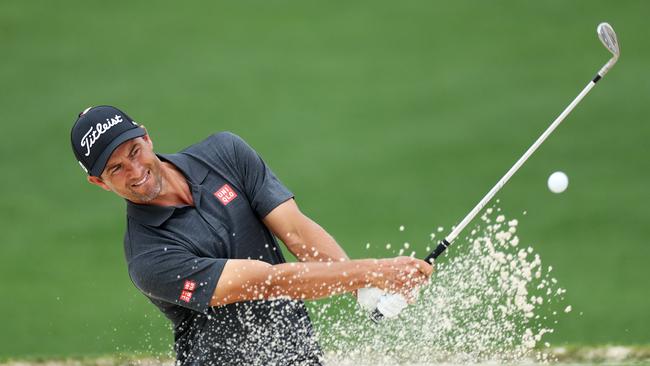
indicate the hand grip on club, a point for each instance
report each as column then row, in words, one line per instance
column 376, row 314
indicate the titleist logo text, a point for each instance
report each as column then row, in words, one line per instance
column 99, row 129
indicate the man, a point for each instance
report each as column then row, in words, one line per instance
column 200, row 244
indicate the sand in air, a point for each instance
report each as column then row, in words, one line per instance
column 485, row 303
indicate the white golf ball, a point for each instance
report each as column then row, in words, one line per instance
column 558, row 182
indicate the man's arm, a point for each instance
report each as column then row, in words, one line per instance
column 307, row 240
column 243, row 280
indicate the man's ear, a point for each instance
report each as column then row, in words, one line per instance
column 146, row 137
column 98, row 182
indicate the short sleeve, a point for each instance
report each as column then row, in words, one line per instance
column 263, row 188
column 169, row 272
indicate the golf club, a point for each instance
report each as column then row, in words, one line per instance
column 609, row 40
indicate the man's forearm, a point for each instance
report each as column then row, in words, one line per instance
column 244, row 280
column 312, row 280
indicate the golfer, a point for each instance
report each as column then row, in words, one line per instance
column 200, row 244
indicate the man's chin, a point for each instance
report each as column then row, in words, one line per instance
column 145, row 197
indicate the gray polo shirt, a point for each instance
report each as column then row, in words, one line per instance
column 175, row 256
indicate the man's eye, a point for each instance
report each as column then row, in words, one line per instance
column 115, row 170
column 135, row 152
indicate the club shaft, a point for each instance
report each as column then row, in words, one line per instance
column 449, row 239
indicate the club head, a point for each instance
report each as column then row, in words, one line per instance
column 608, row 37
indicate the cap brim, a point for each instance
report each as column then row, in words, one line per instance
column 101, row 161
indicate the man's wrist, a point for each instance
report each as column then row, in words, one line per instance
column 370, row 278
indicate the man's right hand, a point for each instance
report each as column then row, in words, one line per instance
column 400, row 275
column 396, row 276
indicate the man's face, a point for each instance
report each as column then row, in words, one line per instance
column 133, row 171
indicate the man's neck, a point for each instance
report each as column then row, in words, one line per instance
column 175, row 188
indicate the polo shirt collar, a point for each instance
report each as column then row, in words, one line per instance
column 191, row 168
column 154, row 215
column 150, row 215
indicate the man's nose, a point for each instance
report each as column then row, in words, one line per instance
column 134, row 169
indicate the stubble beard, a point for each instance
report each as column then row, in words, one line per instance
column 151, row 193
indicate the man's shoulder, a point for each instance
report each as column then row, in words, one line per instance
column 148, row 229
column 140, row 237
column 224, row 140
column 221, row 149
column 138, row 233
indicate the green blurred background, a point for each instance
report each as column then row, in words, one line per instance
column 375, row 113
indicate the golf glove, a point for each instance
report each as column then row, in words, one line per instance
column 368, row 297
column 390, row 305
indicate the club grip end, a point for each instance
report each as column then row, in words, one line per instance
column 442, row 246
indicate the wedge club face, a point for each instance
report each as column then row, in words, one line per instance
column 608, row 37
